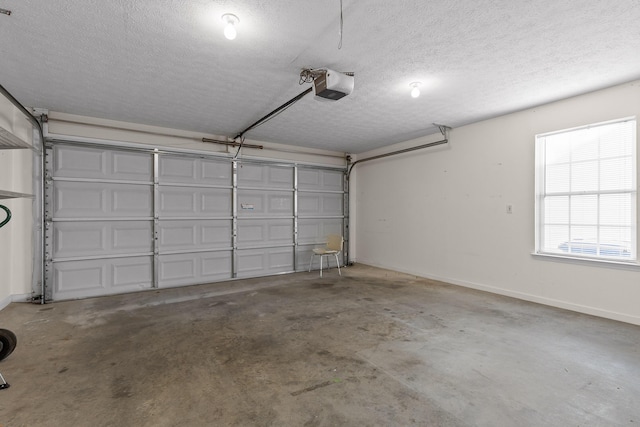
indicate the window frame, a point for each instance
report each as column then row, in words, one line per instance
column 541, row 195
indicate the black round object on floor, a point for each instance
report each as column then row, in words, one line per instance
column 8, row 342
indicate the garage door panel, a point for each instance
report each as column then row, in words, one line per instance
column 194, row 235
column 187, row 170
column 79, row 276
column 189, row 269
column 303, row 256
column 264, row 176
column 263, row 262
column 216, row 266
column 320, row 180
column 80, row 162
column 135, row 236
column 255, row 203
column 265, row 232
column 217, row 234
column 78, row 279
column 320, row 204
column 216, row 172
column 175, row 201
column 177, row 169
column 132, row 166
column 313, row 231
column 77, row 200
column 178, row 236
column 131, row 201
column 78, row 239
column 97, row 163
column 131, row 272
column 98, row 200
column 194, row 202
column 177, row 267
column 216, row 202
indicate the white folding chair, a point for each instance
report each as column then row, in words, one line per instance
column 333, row 247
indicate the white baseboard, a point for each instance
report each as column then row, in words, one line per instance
column 5, row 302
column 13, row 298
column 594, row 311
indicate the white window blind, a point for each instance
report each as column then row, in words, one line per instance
column 586, row 192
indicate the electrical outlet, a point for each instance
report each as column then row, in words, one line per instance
column 509, row 209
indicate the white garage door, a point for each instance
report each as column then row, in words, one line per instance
column 123, row 220
column 194, row 220
column 321, row 210
column 265, row 228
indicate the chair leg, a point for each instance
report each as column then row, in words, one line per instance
column 3, row 384
column 311, row 261
column 338, row 262
column 321, row 256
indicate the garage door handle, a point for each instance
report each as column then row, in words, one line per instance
column 8, row 218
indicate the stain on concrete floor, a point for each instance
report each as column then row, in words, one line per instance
column 371, row 348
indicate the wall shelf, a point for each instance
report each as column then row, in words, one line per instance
column 9, row 141
column 12, row 195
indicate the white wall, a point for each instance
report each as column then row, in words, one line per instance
column 82, row 127
column 16, row 237
column 441, row 212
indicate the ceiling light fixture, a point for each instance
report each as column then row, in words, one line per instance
column 415, row 92
column 230, row 29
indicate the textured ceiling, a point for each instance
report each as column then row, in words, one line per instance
column 166, row 62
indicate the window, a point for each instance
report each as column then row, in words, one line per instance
column 586, row 192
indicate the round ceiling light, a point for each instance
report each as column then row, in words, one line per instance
column 230, row 20
column 415, row 91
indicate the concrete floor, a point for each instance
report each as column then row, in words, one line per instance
column 373, row 348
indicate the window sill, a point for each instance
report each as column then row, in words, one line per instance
column 584, row 260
